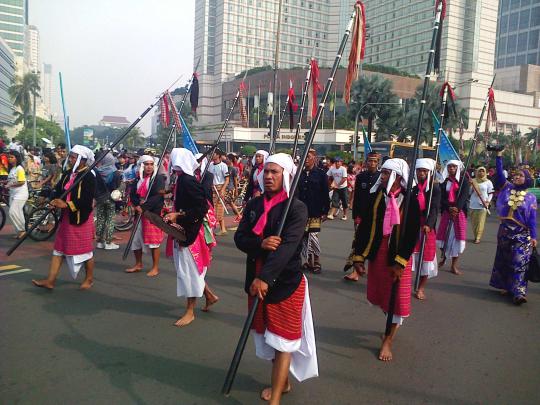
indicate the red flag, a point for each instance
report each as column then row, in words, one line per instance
column 358, row 49
column 293, row 106
column 314, row 88
column 243, row 112
column 174, row 113
column 164, row 107
column 491, row 112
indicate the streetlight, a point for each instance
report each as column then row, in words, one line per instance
column 355, row 140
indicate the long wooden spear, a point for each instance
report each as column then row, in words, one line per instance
column 302, row 108
column 309, row 141
column 406, row 204
column 273, row 134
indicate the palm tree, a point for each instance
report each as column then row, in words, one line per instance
column 22, row 93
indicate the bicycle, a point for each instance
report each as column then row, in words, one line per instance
column 125, row 213
column 48, row 225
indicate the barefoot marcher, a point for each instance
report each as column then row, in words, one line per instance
column 425, row 169
column 283, row 326
column 363, row 184
column 74, row 239
column 387, row 247
column 313, row 191
column 148, row 236
column 191, row 257
column 454, row 214
column 516, row 208
column 254, row 189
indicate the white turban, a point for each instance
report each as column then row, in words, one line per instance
column 260, row 152
column 457, row 163
column 182, row 159
column 142, row 160
column 397, row 167
column 82, row 152
column 204, row 161
column 289, row 170
column 429, row 165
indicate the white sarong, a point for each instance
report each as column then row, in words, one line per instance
column 74, row 262
column 189, row 283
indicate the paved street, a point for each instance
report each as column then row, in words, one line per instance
column 115, row 344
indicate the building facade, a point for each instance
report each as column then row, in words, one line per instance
column 12, row 23
column 7, row 73
column 32, row 55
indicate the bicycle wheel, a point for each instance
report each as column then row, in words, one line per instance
column 123, row 219
column 2, row 217
column 46, row 228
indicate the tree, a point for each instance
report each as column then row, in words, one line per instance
column 248, row 150
column 44, row 129
column 22, row 94
column 367, row 94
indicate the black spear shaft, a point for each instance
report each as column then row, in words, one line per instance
column 90, row 168
column 467, row 163
column 407, row 201
column 309, row 141
column 302, row 107
column 280, row 122
column 430, row 197
column 150, row 184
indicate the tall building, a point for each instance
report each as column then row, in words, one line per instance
column 47, row 83
column 7, row 72
column 232, row 36
column 517, row 34
column 32, row 52
column 12, row 22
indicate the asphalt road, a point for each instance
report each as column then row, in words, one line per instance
column 115, row 344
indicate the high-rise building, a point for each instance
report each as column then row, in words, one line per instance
column 47, row 88
column 232, row 36
column 7, row 72
column 517, row 34
column 32, row 56
column 12, row 22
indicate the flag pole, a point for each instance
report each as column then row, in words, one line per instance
column 406, row 203
column 302, row 108
column 276, row 63
column 66, row 122
column 309, row 141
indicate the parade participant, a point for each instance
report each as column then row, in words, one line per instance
column 254, row 188
column 148, row 237
column 516, row 208
column 75, row 235
column 283, row 326
column 313, row 191
column 382, row 241
column 231, row 191
column 18, row 192
column 208, row 180
column 425, row 169
column 478, row 204
column 221, row 181
column 337, row 177
column 192, row 257
column 454, row 211
column 363, row 183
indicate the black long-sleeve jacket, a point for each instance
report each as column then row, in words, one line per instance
column 435, row 205
column 81, row 197
column 462, row 201
column 155, row 201
column 282, row 267
column 251, row 187
column 362, row 184
column 190, row 198
column 313, row 191
column 370, row 232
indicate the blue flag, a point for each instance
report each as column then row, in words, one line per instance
column 187, row 139
column 367, row 145
column 446, row 149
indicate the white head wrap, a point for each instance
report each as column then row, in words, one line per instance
column 82, row 152
column 429, row 165
column 398, row 167
column 142, row 160
column 182, row 159
column 289, row 169
column 457, row 163
column 204, row 161
column 260, row 152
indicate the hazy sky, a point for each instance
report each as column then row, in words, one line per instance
column 115, row 55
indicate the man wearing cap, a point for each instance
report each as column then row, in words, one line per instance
column 387, row 245
column 74, row 239
column 283, row 326
column 363, row 183
column 425, row 170
column 454, row 215
column 337, row 177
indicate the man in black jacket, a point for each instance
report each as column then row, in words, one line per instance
column 283, row 321
column 148, row 237
column 313, row 191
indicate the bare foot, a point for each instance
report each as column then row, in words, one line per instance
column 134, row 269
column 86, row 284
column 354, row 276
column 420, row 295
column 442, row 262
column 185, row 320
column 266, row 393
column 454, row 270
column 209, row 302
column 152, row 273
column 386, row 350
column 43, row 284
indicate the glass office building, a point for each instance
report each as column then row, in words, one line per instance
column 7, row 72
column 12, row 22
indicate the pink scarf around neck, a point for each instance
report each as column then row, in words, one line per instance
column 453, row 189
column 421, row 196
column 391, row 215
column 142, row 190
column 268, row 205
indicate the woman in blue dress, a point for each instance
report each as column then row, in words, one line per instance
column 516, row 208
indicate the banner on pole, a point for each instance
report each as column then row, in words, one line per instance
column 446, row 149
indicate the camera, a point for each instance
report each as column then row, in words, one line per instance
column 495, row 148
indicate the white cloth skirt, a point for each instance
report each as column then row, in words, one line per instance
column 454, row 247
column 16, row 214
column 304, row 351
column 189, row 283
column 429, row 269
column 74, row 262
